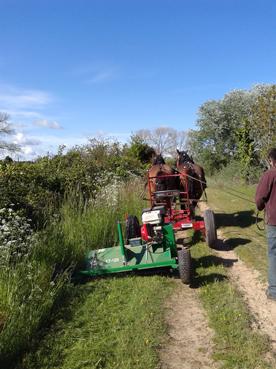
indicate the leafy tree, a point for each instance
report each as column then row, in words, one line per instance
column 216, row 141
column 263, row 120
column 140, row 150
column 246, row 153
column 37, row 189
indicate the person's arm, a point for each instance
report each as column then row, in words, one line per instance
column 263, row 191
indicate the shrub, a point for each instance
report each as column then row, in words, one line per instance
column 30, row 289
column 16, row 237
column 234, row 173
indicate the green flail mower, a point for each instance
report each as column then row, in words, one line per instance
column 153, row 245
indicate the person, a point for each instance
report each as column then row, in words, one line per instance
column 266, row 200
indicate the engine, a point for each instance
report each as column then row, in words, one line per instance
column 152, row 220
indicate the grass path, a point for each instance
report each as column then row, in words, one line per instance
column 189, row 344
column 237, row 344
column 110, row 323
column 236, row 218
column 244, row 259
column 121, row 323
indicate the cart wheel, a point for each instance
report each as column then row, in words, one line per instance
column 184, row 265
column 133, row 229
column 210, row 228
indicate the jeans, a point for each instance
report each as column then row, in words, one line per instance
column 271, row 238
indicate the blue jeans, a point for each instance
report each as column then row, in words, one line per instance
column 271, row 238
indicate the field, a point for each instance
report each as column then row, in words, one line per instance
column 121, row 322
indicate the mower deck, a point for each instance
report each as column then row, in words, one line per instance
column 126, row 258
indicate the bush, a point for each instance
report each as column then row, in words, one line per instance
column 234, row 173
column 31, row 288
column 37, row 189
column 16, row 237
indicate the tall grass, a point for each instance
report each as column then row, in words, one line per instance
column 95, row 225
column 234, row 174
column 31, row 289
column 237, row 344
column 110, row 323
column 30, row 296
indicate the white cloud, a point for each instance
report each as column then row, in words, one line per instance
column 96, row 72
column 24, row 104
column 16, row 98
column 101, row 77
column 111, row 136
column 45, row 123
column 52, row 142
column 33, row 145
column 28, row 151
column 23, row 113
column 21, row 139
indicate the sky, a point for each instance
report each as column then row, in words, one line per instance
column 74, row 69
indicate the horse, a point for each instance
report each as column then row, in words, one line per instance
column 158, row 183
column 187, row 167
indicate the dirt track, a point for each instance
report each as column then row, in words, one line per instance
column 190, row 338
column 248, row 281
column 189, row 344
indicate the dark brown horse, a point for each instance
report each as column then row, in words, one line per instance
column 159, row 183
column 193, row 174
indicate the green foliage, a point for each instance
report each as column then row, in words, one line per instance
column 16, row 237
column 38, row 188
column 206, row 154
column 32, row 188
column 237, row 218
column 74, row 200
column 215, row 142
column 140, row 150
column 112, row 323
column 246, row 150
column 237, row 345
column 31, row 289
column 263, row 121
column 241, row 126
column 28, row 293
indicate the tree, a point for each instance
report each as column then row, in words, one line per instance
column 139, row 149
column 216, row 141
column 6, row 129
column 164, row 140
column 246, row 153
column 263, row 121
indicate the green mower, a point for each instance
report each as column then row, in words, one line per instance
column 152, row 245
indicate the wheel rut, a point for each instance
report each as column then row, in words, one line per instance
column 189, row 344
column 248, row 282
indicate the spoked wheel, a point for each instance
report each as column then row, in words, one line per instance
column 185, row 265
column 133, row 229
column 210, row 228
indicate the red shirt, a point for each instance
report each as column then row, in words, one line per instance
column 266, row 195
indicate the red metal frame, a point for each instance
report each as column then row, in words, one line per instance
column 180, row 218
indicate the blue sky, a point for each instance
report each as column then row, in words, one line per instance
column 72, row 69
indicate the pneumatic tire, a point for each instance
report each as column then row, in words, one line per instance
column 210, row 228
column 133, row 229
column 184, row 265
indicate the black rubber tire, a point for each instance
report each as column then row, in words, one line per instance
column 210, row 228
column 133, row 229
column 185, row 265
